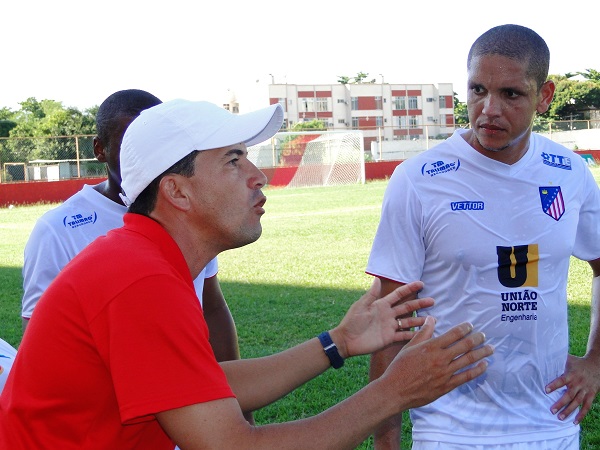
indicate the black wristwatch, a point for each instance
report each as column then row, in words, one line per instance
column 331, row 350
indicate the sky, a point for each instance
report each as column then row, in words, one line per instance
column 78, row 52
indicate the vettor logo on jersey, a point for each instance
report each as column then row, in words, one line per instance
column 552, row 200
column 562, row 162
column 78, row 220
column 467, row 206
column 438, row 167
column 518, row 268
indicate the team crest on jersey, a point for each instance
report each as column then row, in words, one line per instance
column 552, row 201
column 438, row 167
column 78, row 220
column 562, row 162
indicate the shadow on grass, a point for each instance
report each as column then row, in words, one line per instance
column 11, row 291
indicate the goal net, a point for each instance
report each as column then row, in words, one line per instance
column 311, row 158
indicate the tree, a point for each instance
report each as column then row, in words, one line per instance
column 6, row 121
column 46, row 118
column 590, row 74
column 313, row 125
column 360, row 76
column 461, row 115
column 343, row 79
column 572, row 97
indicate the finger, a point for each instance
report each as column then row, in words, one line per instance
column 556, row 384
column 577, row 400
column 424, row 333
column 585, row 408
column 468, row 374
column 411, row 322
column 403, row 292
column 454, row 335
column 373, row 293
column 471, row 357
column 412, row 305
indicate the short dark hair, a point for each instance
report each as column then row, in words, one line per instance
column 125, row 103
column 516, row 42
column 146, row 201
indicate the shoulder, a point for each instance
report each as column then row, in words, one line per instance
column 556, row 155
column 444, row 157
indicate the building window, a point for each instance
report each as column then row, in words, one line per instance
column 379, row 121
column 413, row 121
column 354, row 105
column 341, row 121
column 306, row 104
column 341, row 100
column 355, row 122
column 430, row 99
column 442, row 101
column 378, row 104
column 321, row 104
column 413, row 103
column 399, row 103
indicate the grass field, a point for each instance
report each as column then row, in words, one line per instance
column 295, row 282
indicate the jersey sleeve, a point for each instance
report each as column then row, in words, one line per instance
column 211, row 268
column 398, row 249
column 43, row 258
column 587, row 241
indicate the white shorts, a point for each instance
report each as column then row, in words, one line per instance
column 7, row 355
column 567, row 443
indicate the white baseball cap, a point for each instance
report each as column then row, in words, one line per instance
column 164, row 134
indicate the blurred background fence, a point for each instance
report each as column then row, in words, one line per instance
column 48, row 158
column 66, row 157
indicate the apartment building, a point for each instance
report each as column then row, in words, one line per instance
column 383, row 112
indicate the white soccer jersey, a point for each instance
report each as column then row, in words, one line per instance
column 492, row 244
column 63, row 232
column 7, row 356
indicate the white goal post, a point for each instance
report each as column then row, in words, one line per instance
column 314, row 158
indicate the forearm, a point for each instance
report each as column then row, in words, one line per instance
column 258, row 382
column 343, row 426
column 359, row 415
column 593, row 346
column 223, row 334
column 388, row 435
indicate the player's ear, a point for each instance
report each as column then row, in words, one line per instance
column 173, row 188
column 545, row 96
column 99, row 150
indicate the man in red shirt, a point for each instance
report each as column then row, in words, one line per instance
column 150, row 380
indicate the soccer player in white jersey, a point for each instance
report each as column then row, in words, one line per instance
column 488, row 220
column 64, row 231
column 7, row 356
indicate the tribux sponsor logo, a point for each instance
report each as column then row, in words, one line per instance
column 78, row 220
column 435, row 168
column 562, row 162
column 467, row 206
column 552, row 200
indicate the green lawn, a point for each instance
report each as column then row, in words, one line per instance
column 295, row 282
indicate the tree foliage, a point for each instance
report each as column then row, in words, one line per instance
column 572, row 98
column 313, row 125
column 38, row 120
column 51, row 118
column 461, row 115
column 358, row 79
